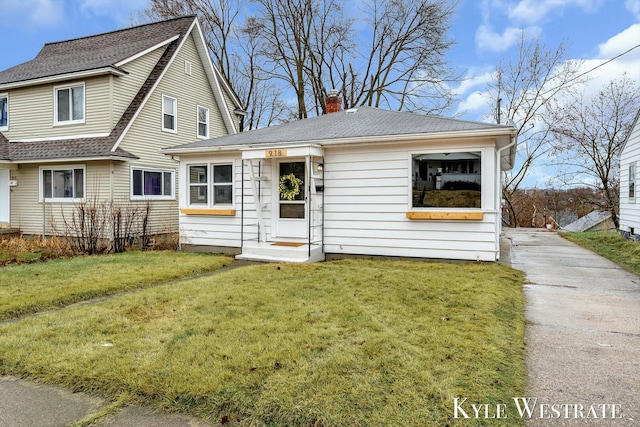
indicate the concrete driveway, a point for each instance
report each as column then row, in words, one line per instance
column 583, row 333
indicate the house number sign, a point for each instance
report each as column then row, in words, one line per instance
column 276, row 153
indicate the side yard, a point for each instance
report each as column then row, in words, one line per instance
column 611, row 246
column 340, row 343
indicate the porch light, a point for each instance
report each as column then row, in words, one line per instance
column 319, row 167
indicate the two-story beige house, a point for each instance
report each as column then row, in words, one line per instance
column 86, row 120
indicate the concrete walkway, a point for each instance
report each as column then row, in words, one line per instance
column 583, row 332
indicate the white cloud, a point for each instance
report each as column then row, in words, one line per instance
column 32, row 13
column 487, row 39
column 621, row 42
column 534, row 11
column 474, row 106
column 633, row 6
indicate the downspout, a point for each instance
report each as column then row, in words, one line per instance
column 498, row 200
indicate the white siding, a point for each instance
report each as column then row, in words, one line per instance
column 630, row 209
column 367, row 196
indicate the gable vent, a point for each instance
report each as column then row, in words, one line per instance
column 187, row 67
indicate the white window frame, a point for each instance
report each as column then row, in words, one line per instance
column 171, row 196
column 6, row 96
column 198, row 122
column 175, row 114
column 633, row 179
column 187, row 68
column 62, row 199
column 71, row 121
column 483, row 172
column 211, row 184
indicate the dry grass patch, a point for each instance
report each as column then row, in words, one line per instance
column 30, row 288
column 341, row 343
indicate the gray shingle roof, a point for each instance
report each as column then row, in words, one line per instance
column 588, row 221
column 102, row 147
column 95, row 52
column 355, row 123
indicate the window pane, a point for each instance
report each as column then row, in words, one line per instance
column 168, row 106
column 297, row 169
column 447, row 180
column 168, row 184
column 222, row 194
column 152, row 183
column 4, row 111
column 632, row 181
column 79, row 182
column 63, row 105
column 202, row 114
column 63, row 184
column 197, row 174
column 202, row 129
column 222, row 174
column 78, row 103
column 168, row 122
column 292, row 210
column 137, row 182
column 197, row 195
column 46, row 184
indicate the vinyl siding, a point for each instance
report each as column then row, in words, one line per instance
column 367, row 193
column 367, row 196
column 630, row 210
column 32, row 111
column 145, row 137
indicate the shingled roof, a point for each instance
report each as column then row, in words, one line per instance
column 106, row 49
column 361, row 122
column 95, row 52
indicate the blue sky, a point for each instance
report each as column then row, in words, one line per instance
column 484, row 31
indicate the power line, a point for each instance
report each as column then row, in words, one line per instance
column 606, row 62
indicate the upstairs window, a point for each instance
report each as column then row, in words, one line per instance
column 169, row 114
column 4, row 111
column 62, row 183
column 69, row 104
column 447, row 180
column 632, row 183
column 203, row 122
column 151, row 183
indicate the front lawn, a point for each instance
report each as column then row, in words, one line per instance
column 345, row 343
column 30, row 288
column 610, row 245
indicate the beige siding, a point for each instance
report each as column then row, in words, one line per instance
column 125, row 88
column 145, row 138
column 32, row 115
column 630, row 208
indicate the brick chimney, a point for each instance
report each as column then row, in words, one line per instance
column 333, row 102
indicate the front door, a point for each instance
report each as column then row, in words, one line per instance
column 291, row 211
column 4, row 196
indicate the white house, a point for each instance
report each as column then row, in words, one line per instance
column 629, row 198
column 358, row 182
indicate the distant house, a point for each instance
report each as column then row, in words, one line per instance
column 86, row 120
column 358, row 182
column 594, row 221
column 629, row 197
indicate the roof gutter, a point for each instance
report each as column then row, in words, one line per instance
column 68, row 76
column 353, row 141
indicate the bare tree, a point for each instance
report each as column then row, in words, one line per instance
column 590, row 133
column 525, row 87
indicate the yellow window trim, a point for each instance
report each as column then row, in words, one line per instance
column 204, row 211
column 464, row 216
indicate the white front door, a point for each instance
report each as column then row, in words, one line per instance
column 291, row 206
column 4, row 196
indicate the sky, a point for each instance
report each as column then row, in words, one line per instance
column 485, row 31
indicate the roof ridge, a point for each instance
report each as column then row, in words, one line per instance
column 119, row 30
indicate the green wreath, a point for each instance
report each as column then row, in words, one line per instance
column 289, row 186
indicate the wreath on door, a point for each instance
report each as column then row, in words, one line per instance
column 289, row 186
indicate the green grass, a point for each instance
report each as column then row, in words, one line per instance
column 346, row 343
column 610, row 245
column 30, row 288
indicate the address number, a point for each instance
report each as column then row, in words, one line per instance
column 276, row 153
